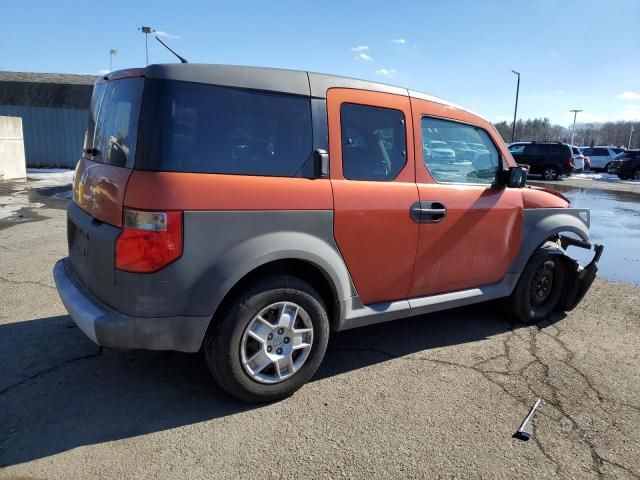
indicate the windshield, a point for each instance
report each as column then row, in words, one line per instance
column 113, row 122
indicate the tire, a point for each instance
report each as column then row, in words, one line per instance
column 623, row 177
column 229, row 346
column 606, row 168
column 636, row 174
column 525, row 304
column 550, row 173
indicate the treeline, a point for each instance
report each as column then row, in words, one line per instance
column 541, row 129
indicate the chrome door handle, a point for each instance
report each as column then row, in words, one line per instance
column 428, row 212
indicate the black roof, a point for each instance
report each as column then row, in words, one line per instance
column 61, row 90
column 295, row 82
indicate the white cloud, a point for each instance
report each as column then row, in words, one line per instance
column 363, row 56
column 386, row 72
column 360, row 48
column 399, row 40
column 104, row 71
column 160, row 33
column 629, row 96
column 559, row 92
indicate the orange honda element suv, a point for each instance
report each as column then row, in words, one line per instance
column 249, row 212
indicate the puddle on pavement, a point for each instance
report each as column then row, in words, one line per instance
column 615, row 223
column 19, row 202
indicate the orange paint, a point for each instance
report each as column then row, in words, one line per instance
column 474, row 244
column 536, row 197
column 208, row 191
column 99, row 190
column 372, row 225
column 480, row 236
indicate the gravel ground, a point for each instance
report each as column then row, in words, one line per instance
column 434, row 396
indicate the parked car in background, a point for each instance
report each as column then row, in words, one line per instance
column 464, row 153
column 578, row 159
column 549, row 159
column 600, row 157
column 626, row 165
column 439, row 151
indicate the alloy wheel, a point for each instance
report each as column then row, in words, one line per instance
column 550, row 174
column 276, row 343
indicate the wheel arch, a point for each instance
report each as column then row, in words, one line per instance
column 305, row 256
column 541, row 224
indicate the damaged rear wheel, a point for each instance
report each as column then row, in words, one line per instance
column 539, row 289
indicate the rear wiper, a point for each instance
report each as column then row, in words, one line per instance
column 182, row 59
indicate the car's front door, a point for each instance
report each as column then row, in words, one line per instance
column 470, row 230
column 373, row 179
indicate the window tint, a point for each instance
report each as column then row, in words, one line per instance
column 534, row 149
column 96, row 100
column 117, row 122
column 374, row 144
column 617, row 150
column 562, row 150
column 600, row 152
column 517, row 149
column 587, row 151
column 448, row 163
column 575, row 150
column 192, row 127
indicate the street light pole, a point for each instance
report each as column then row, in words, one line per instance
column 112, row 53
column 630, row 135
column 146, row 31
column 573, row 130
column 515, row 111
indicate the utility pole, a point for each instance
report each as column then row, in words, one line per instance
column 573, row 130
column 515, row 111
column 630, row 135
column 146, row 31
column 112, row 53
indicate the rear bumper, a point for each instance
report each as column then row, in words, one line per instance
column 109, row 328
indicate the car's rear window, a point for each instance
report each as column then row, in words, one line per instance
column 113, row 121
column 191, row 127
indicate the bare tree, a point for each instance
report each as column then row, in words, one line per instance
column 541, row 129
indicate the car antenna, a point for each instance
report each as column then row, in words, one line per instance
column 182, row 59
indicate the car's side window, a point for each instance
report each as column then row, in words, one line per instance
column 374, row 142
column 455, row 152
column 517, row 149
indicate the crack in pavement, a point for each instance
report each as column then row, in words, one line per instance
column 25, row 282
column 554, row 399
column 50, row 369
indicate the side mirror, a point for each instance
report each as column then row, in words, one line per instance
column 517, row 177
column 321, row 163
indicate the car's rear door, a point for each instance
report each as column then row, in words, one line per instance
column 373, row 179
column 470, row 231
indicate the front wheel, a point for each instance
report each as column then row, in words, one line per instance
column 538, row 290
column 636, row 174
column 269, row 340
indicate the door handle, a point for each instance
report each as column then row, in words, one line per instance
column 428, row 212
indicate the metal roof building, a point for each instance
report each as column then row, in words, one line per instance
column 54, row 108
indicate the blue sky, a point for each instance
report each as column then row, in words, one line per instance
column 571, row 54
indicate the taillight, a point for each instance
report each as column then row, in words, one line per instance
column 570, row 161
column 149, row 241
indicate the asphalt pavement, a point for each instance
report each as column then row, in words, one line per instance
column 433, row 396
